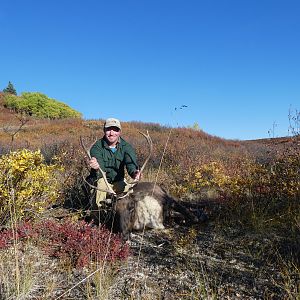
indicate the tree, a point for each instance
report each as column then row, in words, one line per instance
column 40, row 106
column 10, row 89
column 195, row 126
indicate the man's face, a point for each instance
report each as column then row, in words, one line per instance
column 112, row 135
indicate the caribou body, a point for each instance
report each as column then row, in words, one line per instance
column 144, row 206
column 147, row 207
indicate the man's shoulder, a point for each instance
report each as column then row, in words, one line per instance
column 124, row 143
column 98, row 144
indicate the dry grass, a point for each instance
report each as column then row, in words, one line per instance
column 23, row 275
column 260, row 207
column 41, row 277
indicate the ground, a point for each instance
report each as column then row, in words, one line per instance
column 183, row 261
column 196, row 261
column 202, row 264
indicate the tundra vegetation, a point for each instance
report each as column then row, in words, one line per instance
column 248, row 249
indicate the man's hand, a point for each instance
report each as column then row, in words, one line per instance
column 137, row 175
column 94, row 163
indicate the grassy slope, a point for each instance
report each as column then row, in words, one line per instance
column 213, row 260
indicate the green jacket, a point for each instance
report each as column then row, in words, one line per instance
column 114, row 163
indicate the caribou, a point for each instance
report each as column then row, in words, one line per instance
column 145, row 206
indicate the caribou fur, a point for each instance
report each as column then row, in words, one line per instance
column 146, row 208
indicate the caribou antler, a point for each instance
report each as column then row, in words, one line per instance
column 109, row 188
column 150, row 143
column 136, row 181
column 98, row 189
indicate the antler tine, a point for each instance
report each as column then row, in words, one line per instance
column 96, row 188
column 87, row 151
column 109, row 188
column 150, row 143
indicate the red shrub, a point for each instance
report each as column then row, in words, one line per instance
column 23, row 232
column 78, row 242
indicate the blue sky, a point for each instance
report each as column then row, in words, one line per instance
column 235, row 64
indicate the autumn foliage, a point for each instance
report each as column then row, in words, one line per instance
column 75, row 243
column 39, row 105
column 28, row 186
column 256, row 182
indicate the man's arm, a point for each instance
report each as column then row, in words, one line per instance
column 96, row 160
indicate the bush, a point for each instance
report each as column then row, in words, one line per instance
column 39, row 105
column 27, row 185
column 76, row 243
column 80, row 243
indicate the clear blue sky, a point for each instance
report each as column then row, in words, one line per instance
column 234, row 63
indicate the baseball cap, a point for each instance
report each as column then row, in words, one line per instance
column 112, row 122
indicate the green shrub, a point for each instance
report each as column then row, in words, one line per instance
column 39, row 105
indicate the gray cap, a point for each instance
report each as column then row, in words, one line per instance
column 112, row 122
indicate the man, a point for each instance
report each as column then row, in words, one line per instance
column 112, row 154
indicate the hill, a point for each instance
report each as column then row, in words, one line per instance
column 38, row 105
column 248, row 249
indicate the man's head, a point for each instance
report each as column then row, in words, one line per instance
column 112, row 131
column 112, row 122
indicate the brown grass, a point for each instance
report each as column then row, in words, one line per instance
column 253, row 195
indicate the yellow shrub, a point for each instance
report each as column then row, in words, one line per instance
column 248, row 178
column 27, row 185
column 208, row 176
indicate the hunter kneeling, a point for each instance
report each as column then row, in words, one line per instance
column 112, row 154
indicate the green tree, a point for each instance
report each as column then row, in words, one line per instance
column 40, row 106
column 10, row 89
column 195, row 126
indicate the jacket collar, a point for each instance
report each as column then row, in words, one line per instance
column 105, row 144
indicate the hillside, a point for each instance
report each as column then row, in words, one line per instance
column 37, row 132
column 36, row 129
column 43, row 133
column 248, row 248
